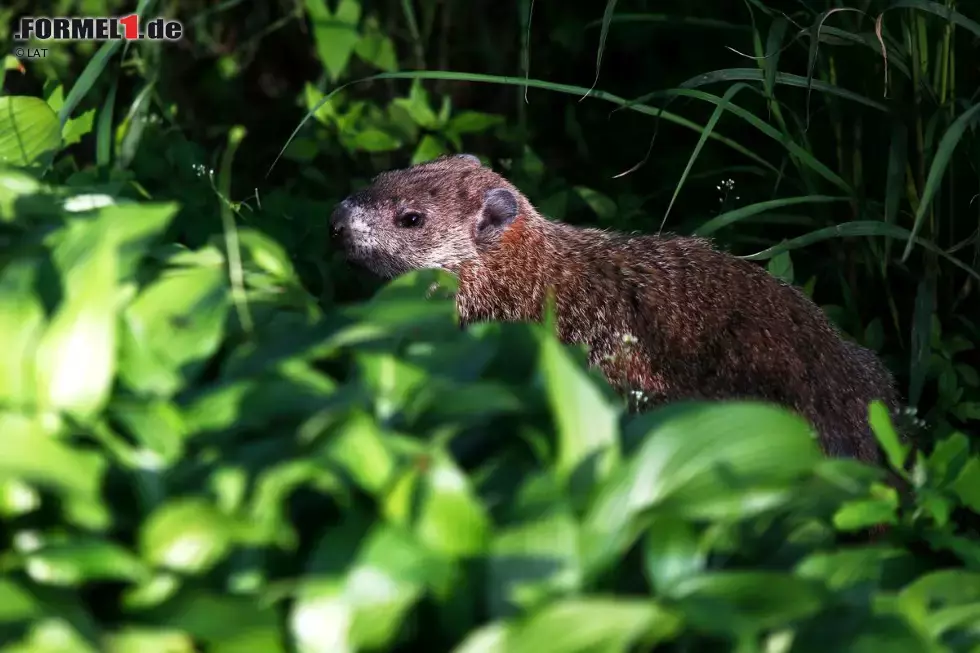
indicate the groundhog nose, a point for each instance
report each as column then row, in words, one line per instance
column 339, row 220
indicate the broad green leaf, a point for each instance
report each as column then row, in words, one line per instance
column 22, row 321
column 390, row 575
column 172, row 328
column 156, row 425
column 373, row 139
column 434, row 499
column 78, row 127
column 360, row 449
column 17, row 604
column 53, row 634
column 187, row 535
column 863, row 513
column 335, row 33
column 781, row 267
column 392, row 382
column 885, row 432
column 729, row 460
column 532, row 561
column 29, row 131
column 938, row 594
column 473, row 122
column 33, row 456
column 578, row 625
column 76, row 356
column 587, row 422
column 77, row 562
column 268, row 254
column 418, row 107
column 293, row 391
column 15, row 190
column 843, row 569
column 378, row 50
column 603, row 206
column 429, row 148
column 743, row 602
column 967, row 485
column 672, row 551
column 224, row 623
column 149, row 640
column 270, row 508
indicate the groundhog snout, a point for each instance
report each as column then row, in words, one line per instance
column 340, row 223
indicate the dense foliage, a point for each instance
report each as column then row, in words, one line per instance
column 217, row 437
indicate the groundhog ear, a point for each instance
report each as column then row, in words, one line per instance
column 469, row 158
column 499, row 210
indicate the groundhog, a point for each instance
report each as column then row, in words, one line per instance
column 667, row 316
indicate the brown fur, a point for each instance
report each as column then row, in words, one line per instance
column 668, row 316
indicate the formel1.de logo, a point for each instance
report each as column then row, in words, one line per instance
column 96, row 28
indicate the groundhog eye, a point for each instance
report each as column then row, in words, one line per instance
column 410, row 219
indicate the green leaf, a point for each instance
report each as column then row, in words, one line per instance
column 366, row 607
column 577, row 625
column 697, row 460
column 429, row 148
column 532, row 561
column 335, row 33
column 885, row 432
column 842, row 569
column 149, row 640
column 267, row 254
column 672, row 551
column 82, row 561
column 29, row 131
column 157, row 425
column 22, row 322
column 744, row 602
column 16, row 189
column 375, row 140
column 473, row 122
column 172, row 328
column 967, row 485
column 417, row 106
column 224, row 623
column 186, row 535
column 76, row 356
column 78, row 127
column 604, row 207
column 378, row 50
column 17, row 604
column 360, row 449
column 931, row 600
column 587, row 422
column 34, row 456
column 434, row 499
column 864, row 513
column 781, row 267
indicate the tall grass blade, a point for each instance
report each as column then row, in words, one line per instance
column 940, row 161
column 708, row 128
column 857, row 228
column 735, row 215
column 533, row 83
column 94, row 69
column 603, row 34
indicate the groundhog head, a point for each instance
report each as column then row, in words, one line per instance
column 433, row 215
